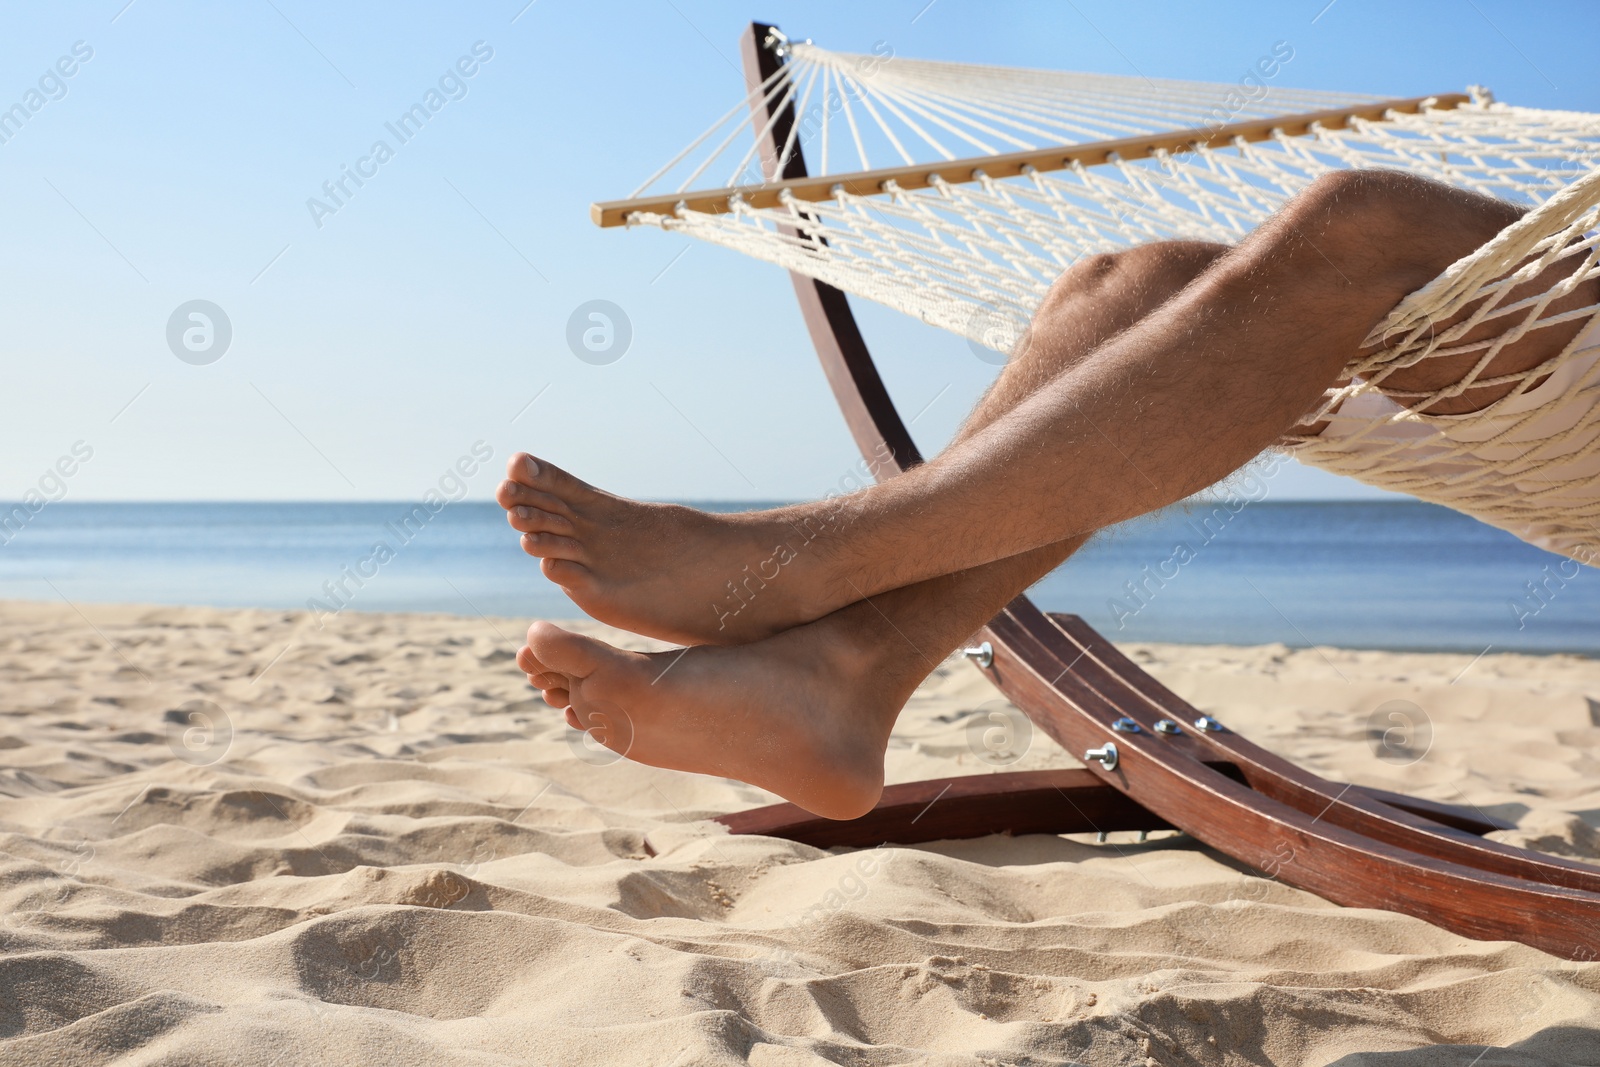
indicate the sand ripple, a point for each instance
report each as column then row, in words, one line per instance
column 398, row 857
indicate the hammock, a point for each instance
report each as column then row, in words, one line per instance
column 1151, row 760
column 957, row 193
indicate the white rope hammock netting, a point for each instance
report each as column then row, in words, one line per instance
column 977, row 258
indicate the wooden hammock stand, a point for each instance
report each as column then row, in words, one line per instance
column 1154, row 761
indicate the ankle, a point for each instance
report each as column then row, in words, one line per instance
column 784, row 558
column 869, row 653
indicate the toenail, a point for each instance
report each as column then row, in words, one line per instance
column 524, row 513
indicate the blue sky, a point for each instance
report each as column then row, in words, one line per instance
column 369, row 353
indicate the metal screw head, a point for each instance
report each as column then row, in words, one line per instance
column 1106, row 755
column 1127, row 726
column 1167, row 726
column 982, row 655
column 1208, row 724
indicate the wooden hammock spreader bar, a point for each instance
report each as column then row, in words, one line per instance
column 1354, row 846
column 1009, row 164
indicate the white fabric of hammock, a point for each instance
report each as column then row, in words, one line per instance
column 978, row 258
column 1532, row 468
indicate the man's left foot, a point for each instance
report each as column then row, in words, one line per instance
column 673, row 572
column 802, row 714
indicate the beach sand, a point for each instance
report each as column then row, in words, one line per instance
column 402, row 856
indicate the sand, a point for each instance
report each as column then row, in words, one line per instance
column 400, row 856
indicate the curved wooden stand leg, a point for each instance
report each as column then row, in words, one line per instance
column 1353, row 846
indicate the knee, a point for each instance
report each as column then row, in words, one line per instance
column 1350, row 202
column 1388, row 216
column 1154, row 258
column 1157, row 265
column 1170, row 264
column 1095, row 270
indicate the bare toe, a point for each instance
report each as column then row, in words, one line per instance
column 737, row 712
column 522, row 467
column 535, row 520
column 553, row 685
column 574, row 578
column 508, row 494
column 543, row 475
column 552, row 546
column 662, row 570
column 563, row 651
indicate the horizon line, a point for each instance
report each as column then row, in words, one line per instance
column 1197, row 499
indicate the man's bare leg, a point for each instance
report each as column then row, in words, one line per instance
column 1159, row 411
column 807, row 713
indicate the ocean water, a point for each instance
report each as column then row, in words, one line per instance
column 1362, row 575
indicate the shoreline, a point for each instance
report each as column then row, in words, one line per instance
column 118, row 608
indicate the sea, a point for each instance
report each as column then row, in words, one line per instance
column 1375, row 575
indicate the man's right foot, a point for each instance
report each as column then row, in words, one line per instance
column 805, row 714
column 672, row 572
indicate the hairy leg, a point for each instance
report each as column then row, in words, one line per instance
column 620, row 560
column 1441, row 373
column 1157, row 412
column 807, row 713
